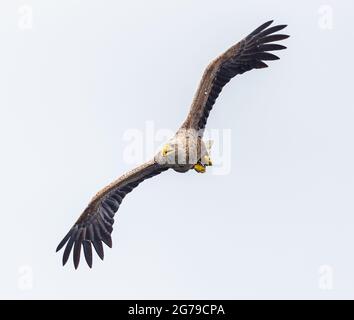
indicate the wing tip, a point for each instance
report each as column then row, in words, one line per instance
column 76, row 261
column 281, row 26
column 76, row 243
column 267, row 23
column 64, row 261
column 64, row 240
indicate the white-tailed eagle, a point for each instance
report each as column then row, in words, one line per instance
column 185, row 151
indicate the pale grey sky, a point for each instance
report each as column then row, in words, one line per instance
column 77, row 75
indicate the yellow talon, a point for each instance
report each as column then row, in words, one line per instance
column 199, row 168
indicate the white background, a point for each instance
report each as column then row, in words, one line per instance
column 82, row 73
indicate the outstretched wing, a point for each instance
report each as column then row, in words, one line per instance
column 94, row 226
column 250, row 53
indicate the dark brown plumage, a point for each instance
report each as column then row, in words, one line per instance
column 250, row 53
column 95, row 225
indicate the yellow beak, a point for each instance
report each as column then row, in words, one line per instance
column 166, row 150
column 207, row 161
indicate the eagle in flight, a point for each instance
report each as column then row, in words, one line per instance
column 185, row 151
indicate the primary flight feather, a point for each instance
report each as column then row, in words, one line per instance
column 185, row 151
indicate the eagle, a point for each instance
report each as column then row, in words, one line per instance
column 185, row 151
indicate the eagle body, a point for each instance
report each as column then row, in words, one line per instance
column 185, row 151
